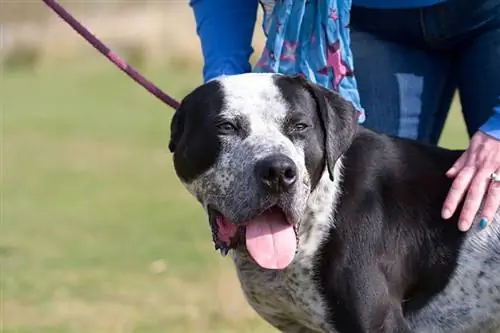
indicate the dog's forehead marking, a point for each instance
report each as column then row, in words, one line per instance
column 257, row 98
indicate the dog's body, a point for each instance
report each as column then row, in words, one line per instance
column 373, row 254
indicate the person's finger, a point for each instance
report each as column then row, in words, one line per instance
column 475, row 194
column 457, row 191
column 491, row 204
column 459, row 164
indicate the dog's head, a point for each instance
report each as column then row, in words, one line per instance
column 252, row 148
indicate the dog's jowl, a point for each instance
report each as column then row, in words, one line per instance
column 332, row 227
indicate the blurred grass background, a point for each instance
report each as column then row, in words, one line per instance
column 97, row 235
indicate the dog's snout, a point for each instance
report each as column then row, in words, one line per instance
column 277, row 173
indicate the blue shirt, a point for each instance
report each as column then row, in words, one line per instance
column 236, row 20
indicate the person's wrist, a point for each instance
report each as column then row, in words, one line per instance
column 215, row 78
column 492, row 126
column 224, row 68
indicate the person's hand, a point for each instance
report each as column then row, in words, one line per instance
column 472, row 174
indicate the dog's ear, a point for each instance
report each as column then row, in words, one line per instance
column 339, row 119
column 176, row 128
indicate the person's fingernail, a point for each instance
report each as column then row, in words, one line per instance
column 483, row 223
column 462, row 225
column 446, row 213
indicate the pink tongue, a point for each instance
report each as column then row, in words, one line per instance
column 271, row 241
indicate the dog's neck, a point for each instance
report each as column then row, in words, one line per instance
column 318, row 217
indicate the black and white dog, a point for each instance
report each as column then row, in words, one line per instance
column 332, row 227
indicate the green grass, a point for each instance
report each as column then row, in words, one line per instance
column 97, row 235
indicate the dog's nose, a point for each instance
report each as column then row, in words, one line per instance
column 277, row 173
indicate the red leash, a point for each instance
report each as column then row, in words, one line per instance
column 112, row 56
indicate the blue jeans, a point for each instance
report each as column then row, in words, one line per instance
column 409, row 63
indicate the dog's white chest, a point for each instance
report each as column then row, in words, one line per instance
column 288, row 299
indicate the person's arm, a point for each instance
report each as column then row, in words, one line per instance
column 225, row 29
column 492, row 126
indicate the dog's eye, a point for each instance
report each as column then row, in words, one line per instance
column 226, row 127
column 299, row 127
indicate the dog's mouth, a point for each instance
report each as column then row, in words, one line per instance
column 270, row 238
